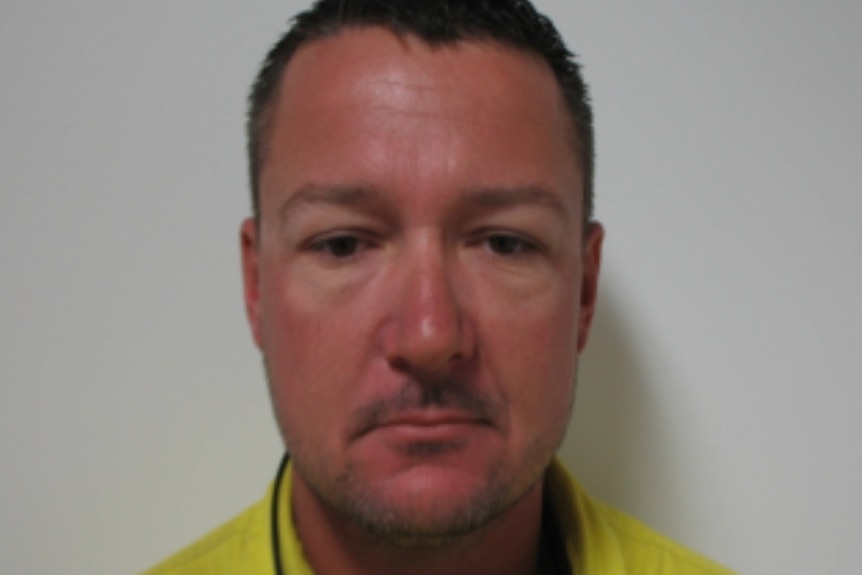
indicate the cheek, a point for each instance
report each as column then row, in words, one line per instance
column 532, row 349
column 308, row 353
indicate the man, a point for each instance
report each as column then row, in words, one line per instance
column 420, row 276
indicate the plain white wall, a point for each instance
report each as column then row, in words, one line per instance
column 718, row 401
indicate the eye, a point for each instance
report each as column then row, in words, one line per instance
column 338, row 246
column 509, row 245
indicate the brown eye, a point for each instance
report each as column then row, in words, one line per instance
column 339, row 246
column 508, row 245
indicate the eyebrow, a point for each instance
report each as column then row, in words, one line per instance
column 493, row 198
column 339, row 195
column 501, row 198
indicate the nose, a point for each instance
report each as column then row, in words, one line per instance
column 428, row 329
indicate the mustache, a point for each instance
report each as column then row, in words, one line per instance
column 415, row 395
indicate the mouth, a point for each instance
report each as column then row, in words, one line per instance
column 428, row 424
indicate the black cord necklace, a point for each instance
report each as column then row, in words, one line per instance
column 276, row 538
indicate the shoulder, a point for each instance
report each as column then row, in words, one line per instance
column 238, row 546
column 603, row 540
column 647, row 551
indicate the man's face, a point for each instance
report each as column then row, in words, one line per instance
column 421, row 282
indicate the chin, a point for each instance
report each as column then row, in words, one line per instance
column 426, row 505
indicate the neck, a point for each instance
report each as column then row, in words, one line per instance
column 333, row 545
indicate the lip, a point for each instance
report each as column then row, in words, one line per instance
column 432, row 420
column 427, row 422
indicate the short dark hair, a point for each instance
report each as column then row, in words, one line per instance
column 514, row 23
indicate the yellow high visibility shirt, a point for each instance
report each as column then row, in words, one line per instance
column 599, row 540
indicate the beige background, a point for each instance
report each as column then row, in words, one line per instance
column 720, row 397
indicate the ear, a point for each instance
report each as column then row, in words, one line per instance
column 249, row 240
column 591, row 262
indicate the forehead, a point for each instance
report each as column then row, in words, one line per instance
column 378, row 54
column 479, row 100
column 365, row 62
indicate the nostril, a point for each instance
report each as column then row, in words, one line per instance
column 399, row 364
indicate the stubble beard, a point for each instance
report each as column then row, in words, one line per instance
column 353, row 497
column 409, row 527
column 350, row 496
